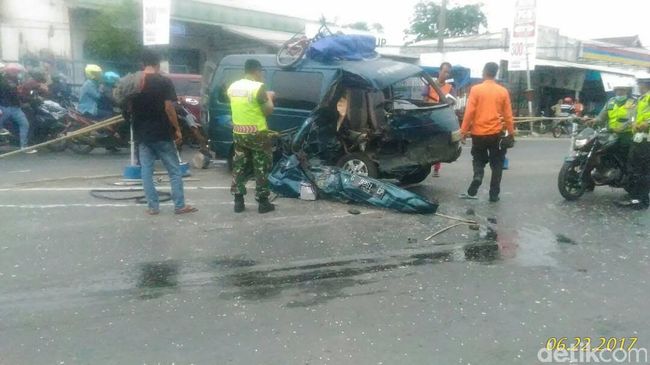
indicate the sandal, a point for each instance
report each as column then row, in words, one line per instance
column 186, row 209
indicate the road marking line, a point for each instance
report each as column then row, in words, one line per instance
column 78, row 205
column 292, row 218
column 118, row 189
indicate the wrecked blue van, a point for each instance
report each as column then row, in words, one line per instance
column 370, row 118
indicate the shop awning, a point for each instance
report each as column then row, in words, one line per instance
column 611, row 80
column 609, row 75
column 270, row 37
column 584, row 66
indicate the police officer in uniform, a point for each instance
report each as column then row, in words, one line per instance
column 251, row 103
column 617, row 116
column 639, row 159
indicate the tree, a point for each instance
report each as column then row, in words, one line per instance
column 461, row 21
column 364, row 26
column 114, row 33
column 359, row 26
column 378, row 27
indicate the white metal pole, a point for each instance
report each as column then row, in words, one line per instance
column 528, row 88
column 132, row 144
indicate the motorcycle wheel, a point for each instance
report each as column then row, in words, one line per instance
column 557, row 132
column 81, row 148
column 568, row 181
column 58, row 146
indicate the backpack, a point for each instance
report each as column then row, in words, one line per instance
column 127, row 87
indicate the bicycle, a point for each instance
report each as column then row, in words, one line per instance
column 294, row 50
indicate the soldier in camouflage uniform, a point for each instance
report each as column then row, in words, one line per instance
column 251, row 104
column 252, row 158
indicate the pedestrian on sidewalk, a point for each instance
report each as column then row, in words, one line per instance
column 154, row 124
column 488, row 113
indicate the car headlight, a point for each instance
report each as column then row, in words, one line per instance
column 455, row 136
column 581, row 143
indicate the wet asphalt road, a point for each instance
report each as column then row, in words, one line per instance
column 88, row 281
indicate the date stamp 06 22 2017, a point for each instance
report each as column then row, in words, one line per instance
column 594, row 344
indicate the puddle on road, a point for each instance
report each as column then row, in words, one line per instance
column 564, row 239
column 533, row 246
column 157, row 279
column 232, row 262
column 313, row 283
column 319, row 283
column 307, row 284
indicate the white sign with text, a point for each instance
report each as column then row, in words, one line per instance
column 523, row 39
column 155, row 22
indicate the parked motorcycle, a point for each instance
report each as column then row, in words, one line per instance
column 191, row 129
column 111, row 138
column 46, row 122
column 597, row 160
column 543, row 126
column 562, row 127
column 61, row 92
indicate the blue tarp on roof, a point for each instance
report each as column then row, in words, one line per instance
column 352, row 47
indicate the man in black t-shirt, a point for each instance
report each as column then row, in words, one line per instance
column 154, row 123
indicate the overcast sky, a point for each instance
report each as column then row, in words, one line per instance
column 577, row 18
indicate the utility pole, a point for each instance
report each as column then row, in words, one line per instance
column 529, row 90
column 442, row 25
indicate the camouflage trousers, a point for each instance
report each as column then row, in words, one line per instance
column 253, row 157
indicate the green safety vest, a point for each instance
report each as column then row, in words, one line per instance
column 247, row 114
column 643, row 109
column 617, row 112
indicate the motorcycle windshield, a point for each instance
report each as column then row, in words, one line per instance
column 587, row 134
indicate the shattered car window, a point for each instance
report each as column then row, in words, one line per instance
column 297, row 90
column 416, row 89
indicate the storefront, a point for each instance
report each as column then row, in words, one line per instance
column 563, row 66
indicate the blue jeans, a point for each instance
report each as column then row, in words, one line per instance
column 166, row 152
column 15, row 114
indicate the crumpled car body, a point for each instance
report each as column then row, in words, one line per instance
column 384, row 129
column 333, row 183
column 401, row 136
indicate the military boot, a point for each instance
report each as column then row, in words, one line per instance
column 265, row 206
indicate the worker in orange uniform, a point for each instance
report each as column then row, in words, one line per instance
column 487, row 114
column 432, row 96
column 578, row 107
